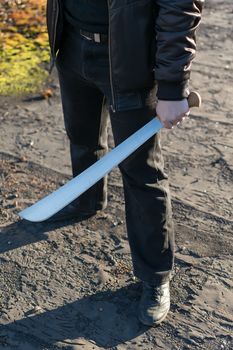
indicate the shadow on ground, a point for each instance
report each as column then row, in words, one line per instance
column 22, row 233
column 105, row 318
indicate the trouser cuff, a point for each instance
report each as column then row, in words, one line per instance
column 156, row 278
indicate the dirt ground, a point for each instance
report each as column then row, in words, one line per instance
column 70, row 285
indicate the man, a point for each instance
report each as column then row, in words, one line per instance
column 121, row 54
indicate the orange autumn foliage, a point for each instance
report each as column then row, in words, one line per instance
column 23, row 45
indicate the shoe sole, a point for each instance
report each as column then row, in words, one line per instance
column 153, row 324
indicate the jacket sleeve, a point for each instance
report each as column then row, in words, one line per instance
column 175, row 29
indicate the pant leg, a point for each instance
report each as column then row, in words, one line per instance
column 147, row 199
column 147, row 196
column 85, row 118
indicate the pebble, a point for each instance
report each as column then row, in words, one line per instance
column 35, row 310
column 12, row 196
column 192, row 341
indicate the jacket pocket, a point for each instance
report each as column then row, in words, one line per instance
column 132, row 35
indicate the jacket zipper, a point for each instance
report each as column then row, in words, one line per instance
column 56, row 14
column 110, row 60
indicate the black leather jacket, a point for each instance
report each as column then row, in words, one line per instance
column 148, row 40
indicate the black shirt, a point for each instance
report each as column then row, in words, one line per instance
column 89, row 15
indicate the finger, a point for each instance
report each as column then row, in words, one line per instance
column 168, row 125
column 176, row 121
column 182, row 117
column 171, row 124
column 185, row 116
column 165, row 123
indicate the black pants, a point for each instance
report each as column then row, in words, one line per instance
column 83, row 68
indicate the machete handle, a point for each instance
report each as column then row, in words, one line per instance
column 194, row 99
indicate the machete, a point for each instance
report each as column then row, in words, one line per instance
column 57, row 200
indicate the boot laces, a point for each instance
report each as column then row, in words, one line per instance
column 155, row 292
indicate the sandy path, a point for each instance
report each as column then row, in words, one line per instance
column 71, row 286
